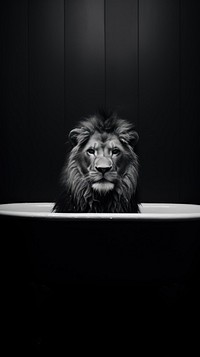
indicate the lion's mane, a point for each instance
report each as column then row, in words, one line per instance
column 77, row 194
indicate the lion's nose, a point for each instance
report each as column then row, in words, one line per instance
column 103, row 165
column 103, row 170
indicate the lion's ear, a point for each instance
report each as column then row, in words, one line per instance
column 134, row 138
column 73, row 136
column 129, row 138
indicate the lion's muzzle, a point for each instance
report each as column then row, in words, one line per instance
column 103, row 165
column 104, row 176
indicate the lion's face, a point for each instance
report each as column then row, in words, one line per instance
column 103, row 160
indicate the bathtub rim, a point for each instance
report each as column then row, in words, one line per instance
column 7, row 212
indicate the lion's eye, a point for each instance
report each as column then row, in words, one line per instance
column 91, row 151
column 115, row 151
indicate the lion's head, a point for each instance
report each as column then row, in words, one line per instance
column 100, row 174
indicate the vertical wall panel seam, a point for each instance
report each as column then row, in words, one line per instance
column 28, row 60
column 28, row 119
column 138, row 64
column 105, row 57
column 179, row 104
column 64, row 69
column 138, row 85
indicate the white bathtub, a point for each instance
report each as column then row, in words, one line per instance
column 162, row 243
column 149, row 211
column 48, row 257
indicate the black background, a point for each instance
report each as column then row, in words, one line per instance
column 61, row 60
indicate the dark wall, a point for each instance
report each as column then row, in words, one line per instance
column 62, row 59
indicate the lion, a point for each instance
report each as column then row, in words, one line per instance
column 101, row 171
